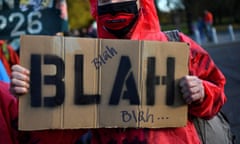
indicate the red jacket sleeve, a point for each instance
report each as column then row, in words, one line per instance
column 201, row 65
column 9, row 133
column 8, row 116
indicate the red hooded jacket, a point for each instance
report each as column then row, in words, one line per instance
column 8, row 115
column 200, row 64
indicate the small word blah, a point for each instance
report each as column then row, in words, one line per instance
column 108, row 54
column 141, row 116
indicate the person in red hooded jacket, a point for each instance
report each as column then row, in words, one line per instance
column 202, row 88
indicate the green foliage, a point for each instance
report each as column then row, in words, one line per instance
column 79, row 13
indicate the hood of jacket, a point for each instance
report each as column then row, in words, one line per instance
column 147, row 26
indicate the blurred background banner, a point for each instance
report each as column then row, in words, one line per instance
column 19, row 22
column 34, row 17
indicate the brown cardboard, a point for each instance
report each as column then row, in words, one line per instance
column 116, row 79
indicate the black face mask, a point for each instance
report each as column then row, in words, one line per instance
column 116, row 9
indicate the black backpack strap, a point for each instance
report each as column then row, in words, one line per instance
column 173, row 35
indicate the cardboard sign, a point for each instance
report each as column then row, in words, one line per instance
column 96, row 83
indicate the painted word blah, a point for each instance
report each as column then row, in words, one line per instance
column 124, row 87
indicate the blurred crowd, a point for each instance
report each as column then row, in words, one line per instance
column 204, row 25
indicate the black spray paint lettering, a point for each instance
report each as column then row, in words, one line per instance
column 80, row 97
column 153, row 80
column 57, row 80
column 123, row 79
column 36, row 78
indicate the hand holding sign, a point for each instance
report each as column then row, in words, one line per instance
column 19, row 80
column 192, row 89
